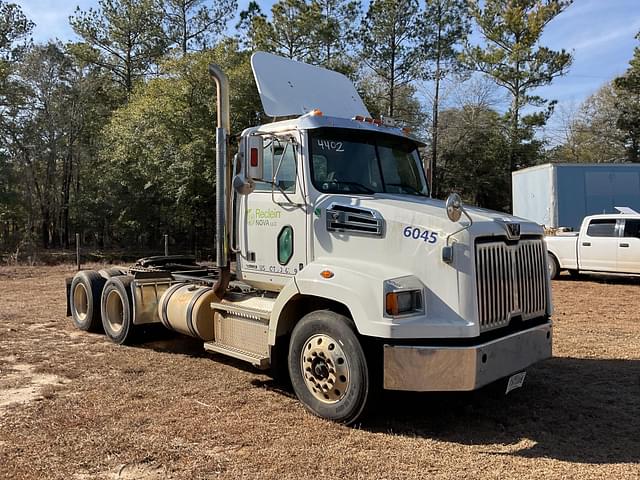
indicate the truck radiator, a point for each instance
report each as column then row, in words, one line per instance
column 511, row 281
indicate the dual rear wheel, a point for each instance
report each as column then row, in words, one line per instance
column 101, row 301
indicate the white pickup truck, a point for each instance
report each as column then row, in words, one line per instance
column 607, row 243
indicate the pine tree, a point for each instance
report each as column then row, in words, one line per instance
column 390, row 45
column 513, row 58
column 291, row 31
column 628, row 102
column 124, row 37
column 445, row 27
column 196, row 21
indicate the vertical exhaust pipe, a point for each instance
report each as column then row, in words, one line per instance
column 222, row 131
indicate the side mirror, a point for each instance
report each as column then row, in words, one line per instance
column 255, row 157
column 455, row 210
column 454, row 207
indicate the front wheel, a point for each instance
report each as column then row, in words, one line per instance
column 554, row 269
column 328, row 368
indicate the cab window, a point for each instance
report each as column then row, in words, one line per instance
column 284, row 171
column 602, row 228
column 632, row 228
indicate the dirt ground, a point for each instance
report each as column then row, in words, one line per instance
column 74, row 406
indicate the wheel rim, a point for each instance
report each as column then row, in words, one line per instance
column 325, row 368
column 115, row 311
column 80, row 301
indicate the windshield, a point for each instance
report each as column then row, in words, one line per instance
column 351, row 161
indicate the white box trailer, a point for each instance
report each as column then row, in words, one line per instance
column 561, row 195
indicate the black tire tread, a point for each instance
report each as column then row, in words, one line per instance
column 556, row 271
column 342, row 329
column 128, row 333
column 94, row 283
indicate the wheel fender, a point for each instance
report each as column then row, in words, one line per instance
column 357, row 285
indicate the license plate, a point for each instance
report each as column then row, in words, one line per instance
column 515, row 381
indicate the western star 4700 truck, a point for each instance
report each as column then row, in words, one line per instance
column 334, row 265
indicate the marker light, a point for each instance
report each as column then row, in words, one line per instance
column 326, row 274
column 254, row 157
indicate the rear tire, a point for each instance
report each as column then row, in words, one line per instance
column 328, row 368
column 117, row 310
column 84, row 300
column 554, row 268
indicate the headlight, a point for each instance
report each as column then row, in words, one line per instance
column 403, row 296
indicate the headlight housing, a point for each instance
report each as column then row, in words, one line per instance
column 403, row 296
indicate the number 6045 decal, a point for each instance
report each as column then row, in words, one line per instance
column 418, row 234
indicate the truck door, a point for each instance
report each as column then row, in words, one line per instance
column 629, row 246
column 272, row 219
column 597, row 245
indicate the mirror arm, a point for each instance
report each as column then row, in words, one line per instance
column 447, row 250
column 465, row 227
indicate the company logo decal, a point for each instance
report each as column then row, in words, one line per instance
column 263, row 217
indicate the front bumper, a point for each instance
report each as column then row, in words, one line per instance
column 424, row 368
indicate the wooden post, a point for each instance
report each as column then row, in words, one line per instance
column 78, row 251
column 166, row 245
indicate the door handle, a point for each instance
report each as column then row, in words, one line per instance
column 586, row 244
column 626, row 245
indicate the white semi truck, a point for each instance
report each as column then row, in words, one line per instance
column 334, row 265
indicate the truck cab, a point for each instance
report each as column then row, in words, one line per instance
column 606, row 243
column 334, row 264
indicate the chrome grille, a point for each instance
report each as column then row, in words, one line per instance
column 510, row 281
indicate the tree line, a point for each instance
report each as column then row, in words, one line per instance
column 111, row 135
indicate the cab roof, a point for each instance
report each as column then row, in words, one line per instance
column 616, row 216
column 314, row 120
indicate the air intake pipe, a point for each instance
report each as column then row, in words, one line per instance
column 222, row 132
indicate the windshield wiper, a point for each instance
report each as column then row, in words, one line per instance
column 410, row 188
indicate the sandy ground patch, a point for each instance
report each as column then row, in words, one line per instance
column 74, row 406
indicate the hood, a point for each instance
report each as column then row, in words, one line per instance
column 424, row 211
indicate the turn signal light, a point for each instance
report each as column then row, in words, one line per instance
column 326, row 274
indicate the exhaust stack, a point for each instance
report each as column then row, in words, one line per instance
column 222, row 132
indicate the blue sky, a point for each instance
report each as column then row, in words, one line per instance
column 599, row 33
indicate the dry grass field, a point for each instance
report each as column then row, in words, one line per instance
column 74, row 406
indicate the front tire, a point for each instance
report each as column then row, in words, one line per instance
column 328, row 368
column 554, row 268
column 117, row 310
